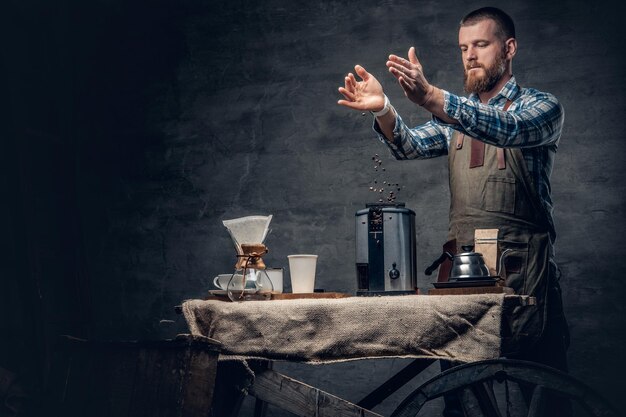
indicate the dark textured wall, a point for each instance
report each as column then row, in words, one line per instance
column 136, row 127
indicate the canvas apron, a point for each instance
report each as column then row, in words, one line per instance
column 501, row 195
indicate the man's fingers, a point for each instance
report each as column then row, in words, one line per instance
column 399, row 60
column 406, row 84
column 401, row 69
column 348, row 84
column 345, row 103
column 353, row 80
column 347, row 94
column 361, row 72
column 350, row 104
column 395, row 73
column 401, row 73
column 412, row 57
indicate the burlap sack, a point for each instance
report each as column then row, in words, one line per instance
column 465, row 328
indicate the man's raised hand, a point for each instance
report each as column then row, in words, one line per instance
column 365, row 95
column 410, row 77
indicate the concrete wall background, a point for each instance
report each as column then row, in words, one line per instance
column 135, row 128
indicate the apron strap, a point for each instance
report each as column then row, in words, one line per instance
column 477, row 153
column 459, row 141
column 501, row 160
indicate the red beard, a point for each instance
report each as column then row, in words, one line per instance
column 493, row 74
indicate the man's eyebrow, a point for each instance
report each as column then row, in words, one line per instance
column 475, row 41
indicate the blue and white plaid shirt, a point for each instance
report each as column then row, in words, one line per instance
column 533, row 123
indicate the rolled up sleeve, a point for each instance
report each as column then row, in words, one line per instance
column 536, row 120
column 422, row 142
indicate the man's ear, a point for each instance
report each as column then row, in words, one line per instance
column 511, row 48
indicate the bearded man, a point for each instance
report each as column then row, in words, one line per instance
column 501, row 142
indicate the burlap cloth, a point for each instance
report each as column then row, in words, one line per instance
column 465, row 328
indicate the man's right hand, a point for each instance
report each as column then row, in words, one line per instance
column 365, row 95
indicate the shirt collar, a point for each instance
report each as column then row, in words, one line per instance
column 509, row 91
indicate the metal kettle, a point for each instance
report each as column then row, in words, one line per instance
column 467, row 265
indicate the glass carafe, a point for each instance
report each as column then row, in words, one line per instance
column 250, row 281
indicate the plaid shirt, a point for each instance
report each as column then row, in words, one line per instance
column 533, row 123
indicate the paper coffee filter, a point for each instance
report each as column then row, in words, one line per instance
column 250, row 229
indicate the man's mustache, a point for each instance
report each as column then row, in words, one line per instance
column 473, row 65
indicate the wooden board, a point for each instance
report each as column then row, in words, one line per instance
column 166, row 378
column 302, row 399
column 215, row 295
column 470, row 290
column 291, row 296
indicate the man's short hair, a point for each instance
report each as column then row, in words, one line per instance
column 505, row 28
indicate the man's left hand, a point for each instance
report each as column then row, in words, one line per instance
column 410, row 77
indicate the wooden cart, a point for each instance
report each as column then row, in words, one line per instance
column 478, row 383
column 183, row 377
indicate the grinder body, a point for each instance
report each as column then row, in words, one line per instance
column 385, row 250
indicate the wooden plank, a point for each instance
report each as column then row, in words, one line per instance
column 470, row 403
column 231, row 386
column 173, row 378
column 538, row 402
column 394, row 383
column 170, row 372
column 315, row 295
column 260, row 408
column 198, row 382
column 302, row 399
column 486, row 398
column 470, row 290
column 146, row 387
column 264, row 296
column 118, row 378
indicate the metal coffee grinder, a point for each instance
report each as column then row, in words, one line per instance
column 385, row 250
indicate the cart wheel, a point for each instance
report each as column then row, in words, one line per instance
column 474, row 383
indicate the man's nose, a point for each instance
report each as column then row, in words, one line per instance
column 470, row 54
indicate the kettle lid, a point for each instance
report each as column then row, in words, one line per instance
column 468, row 250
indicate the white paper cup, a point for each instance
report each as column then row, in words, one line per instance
column 302, row 271
column 276, row 276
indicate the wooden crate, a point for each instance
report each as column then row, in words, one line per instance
column 170, row 378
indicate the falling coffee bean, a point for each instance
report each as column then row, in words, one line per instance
column 390, row 196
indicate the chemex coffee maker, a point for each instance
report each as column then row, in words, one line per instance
column 385, row 250
column 249, row 280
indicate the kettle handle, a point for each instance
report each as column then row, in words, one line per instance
column 438, row 261
column 501, row 263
